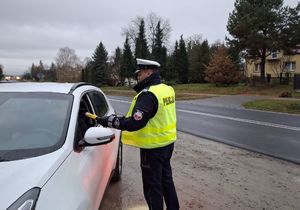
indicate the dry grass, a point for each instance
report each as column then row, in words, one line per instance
column 286, row 106
column 130, row 93
column 264, row 90
column 199, row 91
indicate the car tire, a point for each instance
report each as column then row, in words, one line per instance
column 118, row 169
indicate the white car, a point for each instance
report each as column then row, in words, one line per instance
column 52, row 157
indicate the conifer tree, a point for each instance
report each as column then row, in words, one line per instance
column 1, row 72
column 157, row 45
column 127, row 63
column 199, row 56
column 182, row 63
column 89, row 72
column 100, row 65
column 34, row 72
column 290, row 33
column 163, row 62
column 171, row 72
column 205, row 58
column 141, row 48
column 41, row 71
column 117, row 62
column 259, row 27
column 159, row 52
column 52, row 73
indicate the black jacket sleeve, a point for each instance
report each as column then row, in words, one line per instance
column 145, row 108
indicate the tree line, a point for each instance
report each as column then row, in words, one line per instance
column 185, row 62
column 255, row 27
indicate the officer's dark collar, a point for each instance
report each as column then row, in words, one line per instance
column 153, row 79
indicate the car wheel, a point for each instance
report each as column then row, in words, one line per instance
column 118, row 170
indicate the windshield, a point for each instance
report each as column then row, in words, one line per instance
column 32, row 124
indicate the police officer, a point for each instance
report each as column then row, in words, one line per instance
column 150, row 125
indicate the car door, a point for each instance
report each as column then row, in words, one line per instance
column 80, row 181
column 95, row 159
column 101, row 108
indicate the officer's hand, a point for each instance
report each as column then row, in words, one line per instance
column 102, row 121
column 111, row 121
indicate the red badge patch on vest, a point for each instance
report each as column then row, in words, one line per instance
column 138, row 115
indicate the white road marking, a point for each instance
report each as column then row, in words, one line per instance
column 230, row 118
column 242, row 120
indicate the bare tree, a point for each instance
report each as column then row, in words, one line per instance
column 195, row 39
column 86, row 61
column 131, row 31
column 151, row 21
column 67, row 59
column 279, row 66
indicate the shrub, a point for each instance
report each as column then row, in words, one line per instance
column 221, row 70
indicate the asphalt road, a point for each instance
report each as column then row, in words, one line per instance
column 273, row 134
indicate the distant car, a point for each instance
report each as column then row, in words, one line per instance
column 51, row 156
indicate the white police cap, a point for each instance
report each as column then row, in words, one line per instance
column 146, row 64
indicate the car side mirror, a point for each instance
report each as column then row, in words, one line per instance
column 97, row 136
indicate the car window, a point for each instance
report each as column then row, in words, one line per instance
column 32, row 123
column 99, row 103
column 83, row 122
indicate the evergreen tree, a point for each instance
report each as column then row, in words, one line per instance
column 163, row 62
column 117, row 62
column 89, row 72
column 291, row 28
column 127, row 63
column 258, row 27
column 159, row 52
column 41, row 66
column 40, row 71
column 221, row 70
column 52, row 73
column 199, row 56
column 141, row 48
column 182, row 64
column 205, row 49
column 215, row 47
column 175, row 61
column 26, row 76
column 235, row 56
column 157, row 45
column 172, row 66
column 152, row 21
column 100, row 65
column 1, row 72
column 34, row 72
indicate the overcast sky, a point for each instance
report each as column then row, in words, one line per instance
column 34, row 30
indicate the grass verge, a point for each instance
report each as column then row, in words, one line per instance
column 180, row 95
column 285, row 106
column 198, row 91
column 259, row 89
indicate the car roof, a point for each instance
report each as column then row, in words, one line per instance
column 39, row 87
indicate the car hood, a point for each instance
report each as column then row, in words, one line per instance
column 19, row 176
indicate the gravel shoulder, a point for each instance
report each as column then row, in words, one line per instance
column 211, row 175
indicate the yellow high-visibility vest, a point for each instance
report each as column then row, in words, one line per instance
column 160, row 129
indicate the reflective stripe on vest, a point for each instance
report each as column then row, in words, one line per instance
column 160, row 129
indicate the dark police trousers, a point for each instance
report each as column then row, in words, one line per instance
column 158, row 183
